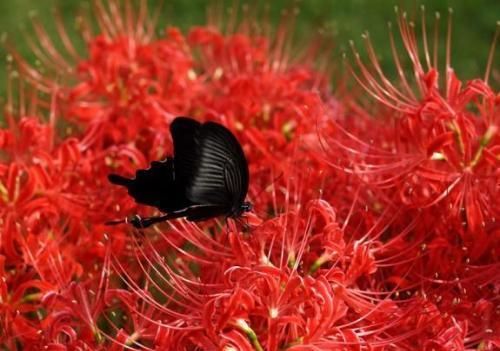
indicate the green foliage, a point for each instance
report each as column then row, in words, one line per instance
column 473, row 23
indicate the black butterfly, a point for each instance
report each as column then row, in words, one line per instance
column 206, row 177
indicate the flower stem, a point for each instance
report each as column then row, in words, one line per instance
column 243, row 325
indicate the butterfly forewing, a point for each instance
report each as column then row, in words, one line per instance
column 236, row 173
column 222, row 174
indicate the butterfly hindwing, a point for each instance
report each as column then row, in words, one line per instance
column 154, row 186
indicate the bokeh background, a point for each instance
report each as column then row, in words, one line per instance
column 474, row 23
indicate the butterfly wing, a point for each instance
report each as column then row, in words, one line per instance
column 211, row 165
column 211, row 162
column 185, row 133
column 207, row 177
column 222, row 173
column 155, row 186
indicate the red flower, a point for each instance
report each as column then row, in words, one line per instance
column 439, row 147
column 431, row 152
column 386, row 241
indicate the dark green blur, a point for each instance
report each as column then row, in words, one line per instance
column 474, row 23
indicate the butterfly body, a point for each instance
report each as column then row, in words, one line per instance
column 206, row 177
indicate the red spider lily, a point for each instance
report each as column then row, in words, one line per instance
column 387, row 250
column 432, row 152
column 290, row 283
column 439, row 148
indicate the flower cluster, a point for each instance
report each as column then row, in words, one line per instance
column 375, row 224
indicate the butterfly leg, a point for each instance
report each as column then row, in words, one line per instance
column 244, row 224
column 141, row 223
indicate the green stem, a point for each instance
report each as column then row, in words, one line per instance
column 485, row 140
column 243, row 325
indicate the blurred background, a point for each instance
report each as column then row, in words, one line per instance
column 474, row 23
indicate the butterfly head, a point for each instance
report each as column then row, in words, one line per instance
column 244, row 207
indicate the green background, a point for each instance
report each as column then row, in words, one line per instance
column 474, row 23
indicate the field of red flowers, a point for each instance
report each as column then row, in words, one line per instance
column 376, row 221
